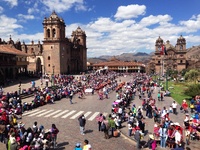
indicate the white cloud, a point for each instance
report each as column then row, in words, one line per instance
column 8, row 26
column 26, row 17
column 131, row 36
column 192, row 38
column 64, row 5
column 151, row 20
column 12, row 2
column 34, row 8
column 130, row 11
column 108, row 36
column 1, row 9
column 192, row 24
column 27, row 38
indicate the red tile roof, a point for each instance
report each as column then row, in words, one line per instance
column 8, row 49
column 118, row 63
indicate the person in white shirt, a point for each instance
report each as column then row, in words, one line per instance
column 178, row 138
column 120, row 111
column 174, row 107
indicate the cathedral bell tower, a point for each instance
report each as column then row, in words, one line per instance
column 54, row 28
column 158, row 44
column 54, row 43
column 79, row 51
column 181, row 44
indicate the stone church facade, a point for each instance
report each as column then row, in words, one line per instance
column 174, row 57
column 57, row 54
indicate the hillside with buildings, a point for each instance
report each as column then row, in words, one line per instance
column 137, row 57
column 193, row 53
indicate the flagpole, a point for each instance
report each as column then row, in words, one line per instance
column 166, row 73
column 166, row 77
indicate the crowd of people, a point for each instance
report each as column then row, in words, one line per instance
column 13, row 132
column 166, row 132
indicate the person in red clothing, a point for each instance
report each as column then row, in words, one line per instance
column 54, row 133
column 4, row 118
column 184, row 106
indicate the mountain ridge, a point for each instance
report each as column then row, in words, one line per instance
column 193, row 53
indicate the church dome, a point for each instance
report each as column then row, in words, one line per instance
column 79, row 30
column 159, row 40
column 181, row 38
column 11, row 41
column 54, row 15
column 168, row 45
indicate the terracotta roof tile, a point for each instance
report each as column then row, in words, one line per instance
column 8, row 49
column 118, row 63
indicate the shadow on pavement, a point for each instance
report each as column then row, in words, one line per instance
column 62, row 145
column 88, row 131
column 17, row 81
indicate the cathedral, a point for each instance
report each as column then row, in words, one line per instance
column 57, row 54
column 63, row 55
column 168, row 57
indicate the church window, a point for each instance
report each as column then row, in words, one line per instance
column 181, row 61
column 49, row 58
column 49, row 65
column 159, row 62
column 48, row 33
column 181, row 47
column 54, row 33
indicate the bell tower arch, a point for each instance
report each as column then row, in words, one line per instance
column 54, row 28
column 54, row 44
column 181, row 44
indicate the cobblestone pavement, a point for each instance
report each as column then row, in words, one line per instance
column 65, row 117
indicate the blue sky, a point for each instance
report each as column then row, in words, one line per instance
column 112, row 27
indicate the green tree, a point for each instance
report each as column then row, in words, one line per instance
column 192, row 75
column 192, row 90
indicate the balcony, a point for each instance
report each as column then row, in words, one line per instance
column 22, row 63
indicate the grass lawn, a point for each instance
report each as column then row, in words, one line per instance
column 177, row 92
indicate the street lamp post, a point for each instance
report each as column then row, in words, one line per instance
column 20, row 87
column 53, row 67
column 167, row 79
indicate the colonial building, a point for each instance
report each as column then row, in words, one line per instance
column 13, row 62
column 57, row 54
column 168, row 57
column 120, row 66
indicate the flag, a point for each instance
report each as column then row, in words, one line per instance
column 164, row 51
column 160, row 50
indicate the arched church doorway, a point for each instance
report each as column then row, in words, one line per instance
column 39, row 66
